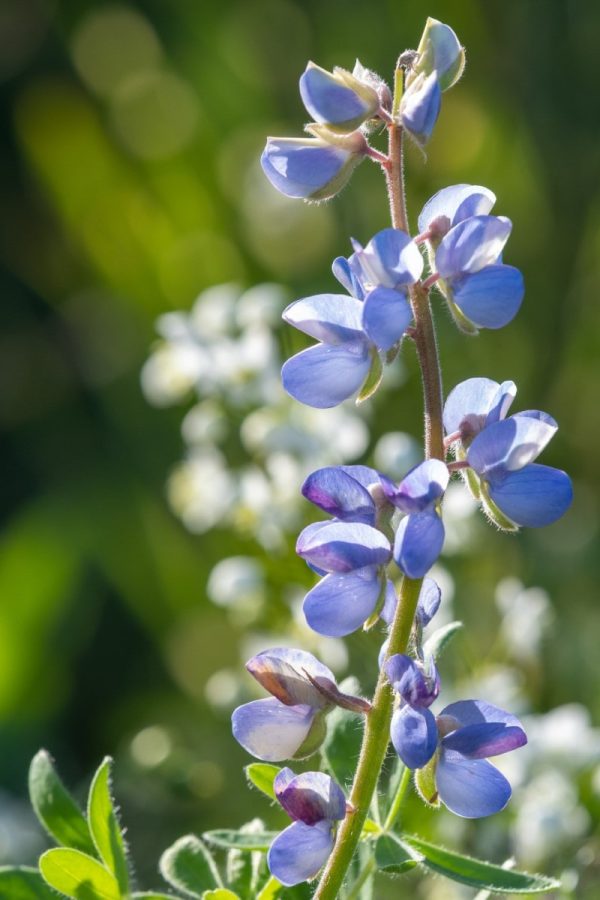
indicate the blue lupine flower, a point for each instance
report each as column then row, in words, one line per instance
column 420, row 534
column 315, row 802
column 339, row 100
column 311, row 168
column 430, row 597
column 353, row 330
column 439, row 51
column 467, row 732
column 281, row 727
column 420, row 107
column 501, row 451
column 349, row 493
column 352, row 556
column 467, row 243
column 413, row 728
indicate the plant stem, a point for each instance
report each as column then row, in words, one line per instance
column 374, row 747
column 394, row 810
column 377, row 726
column 360, row 882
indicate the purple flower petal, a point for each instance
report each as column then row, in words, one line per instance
column 457, row 202
column 468, row 405
column 363, row 474
column 299, row 852
column 330, row 102
column 420, row 107
column 270, row 730
column 343, row 546
column 334, row 490
column 414, row 736
column 282, row 672
column 419, row 542
column 509, row 445
column 324, row 376
column 533, row 496
column 391, row 259
column 386, row 316
column 479, row 741
column 410, row 681
column 501, row 403
column 472, row 244
column 390, row 602
column 310, row 797
column 424, row 484
column 471, row 788
column 332, row 318
column 491, row 297
column 474, row 712
column 307, row 167
column 429, row 601
column 343, row 272
column 339, row 604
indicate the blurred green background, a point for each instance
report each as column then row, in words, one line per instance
column 129, row 183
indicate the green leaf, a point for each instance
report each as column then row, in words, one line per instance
column 55, row 808
column 150, row 895
column 270, row 890
column 246, row 871
column 220, row 894
column 371, row 827
column 373, row 379
column 239, row 840
column 435, row 645
column 262, row 776
column 104, row 826
column 78, row 875
column 344, row 736
column 23, row 883
column 188, row 865
column 392, row 857
column 476, row 873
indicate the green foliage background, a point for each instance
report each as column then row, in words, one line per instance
column 120, row 200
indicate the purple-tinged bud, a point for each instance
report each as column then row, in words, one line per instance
column 439, row 51
column 420, row 107
column 312, row 168
column 339, row 100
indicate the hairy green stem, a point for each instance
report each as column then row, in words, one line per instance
column 394, row 810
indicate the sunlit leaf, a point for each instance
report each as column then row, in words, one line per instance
column 78, row 875
column 102, row 819
column 238, row 840
column 262, row 776
column 188, row 865
column 23, row 883
column 55, row 808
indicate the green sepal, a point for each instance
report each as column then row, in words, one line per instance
column 495, row 515
column 435, row 645
column 262, row 776
column 463, row 324
column 477, row 873
column 373, row 379
column 23, row 883
column 238, row 840
column 78, row 875
column 55, row 807
column 374, row 617
column 315, row 737
column 189, row 866
column 393, row 857
column 104, row 826
column 425, row 782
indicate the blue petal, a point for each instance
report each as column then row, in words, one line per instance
column 299, row 852
column 391, row 259
column 502, row 402
column 468, row 405
column 414, row 735
column 534, row 496
column 457, row 202
column 472, row 244
column 303, row 167
column 332, row 318
column 409, row 679
column 339, row 604
column 420, row 107
column 509, row 445
column 364, row 475
column 475, row 712
column 335, row 491
column 485, row 739
column 343, row 546
column 346, row 277
column 429, row 601
column 270, row 730
column 471, row 788
column 283, row 672
column 419, row 542
column 490, row 298
column 389, row 604
column 323, row 376
column 386, row 316
column 422, row 486
column 310, row 797
column 332, row 103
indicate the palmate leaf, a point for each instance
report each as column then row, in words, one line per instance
column 55, row 808
column 78, row 875
column 151, row 895
column 246, row 871
column 475, row 872
column 188, row 865
column 104, row 826
column 392, row 857
column 220, row 894
column 23, row 883
column 239, row 840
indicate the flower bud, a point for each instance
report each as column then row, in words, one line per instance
column 311, row 168
column 439, row 51
column 339, row 100
column 420, row 107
